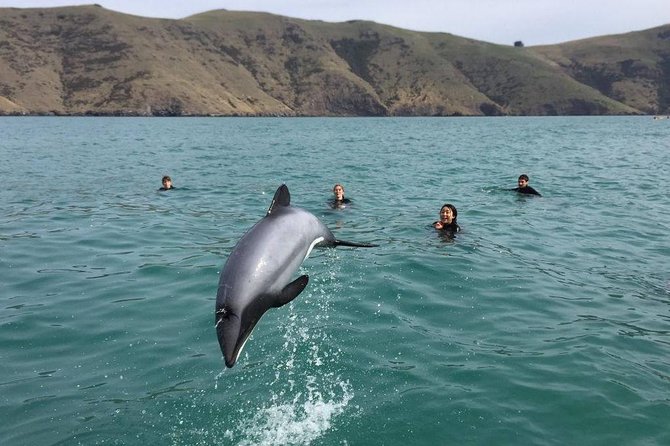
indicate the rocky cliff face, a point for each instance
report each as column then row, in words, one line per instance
column 90, row 61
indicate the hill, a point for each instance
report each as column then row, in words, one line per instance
column 87, row 60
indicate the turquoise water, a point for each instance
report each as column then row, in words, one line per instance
column 546, row 321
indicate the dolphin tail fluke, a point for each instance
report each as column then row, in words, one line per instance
column 353, row 244
column 291, row 291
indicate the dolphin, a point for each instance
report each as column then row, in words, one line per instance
column 257, row 275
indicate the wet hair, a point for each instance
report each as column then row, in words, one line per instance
column 524, row 177
column 166, row 178
column 453, row 210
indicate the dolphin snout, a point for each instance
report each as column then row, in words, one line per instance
column 228, row 333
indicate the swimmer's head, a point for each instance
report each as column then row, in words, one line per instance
column 523, row 180
column 448, row 213
column 167, row 182
column 338, row 190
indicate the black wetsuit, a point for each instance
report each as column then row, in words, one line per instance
column 164, row 188
column 527, row 190
column 335, row 204
column 452, row 228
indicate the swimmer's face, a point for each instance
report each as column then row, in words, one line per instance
column 522, row 182
column 167, row 183
column 339, row 192
column 446, row 215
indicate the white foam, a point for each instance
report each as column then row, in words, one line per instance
column 297, row 422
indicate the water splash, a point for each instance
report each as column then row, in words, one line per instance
column 305, row 392
column 300, row 421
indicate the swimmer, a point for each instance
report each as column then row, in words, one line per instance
column 447, row 222
column 339, row 201
column 167, row 183
column 524, row 188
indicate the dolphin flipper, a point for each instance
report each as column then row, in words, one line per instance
column 291, row 291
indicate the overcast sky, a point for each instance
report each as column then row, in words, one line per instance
column 534, row 22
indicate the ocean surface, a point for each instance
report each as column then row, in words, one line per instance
column 545, row 321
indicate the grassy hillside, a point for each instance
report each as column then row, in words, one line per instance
column 88, row 60
column 631, row 68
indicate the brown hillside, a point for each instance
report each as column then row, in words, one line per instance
column 631, row 68
column 88, row 60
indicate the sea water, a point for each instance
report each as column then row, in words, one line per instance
column 545, row 321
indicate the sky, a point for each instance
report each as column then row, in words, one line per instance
column 534, row 22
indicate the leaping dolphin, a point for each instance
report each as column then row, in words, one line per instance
column 257, row 275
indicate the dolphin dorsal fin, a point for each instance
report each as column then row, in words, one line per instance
column 282, row 198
